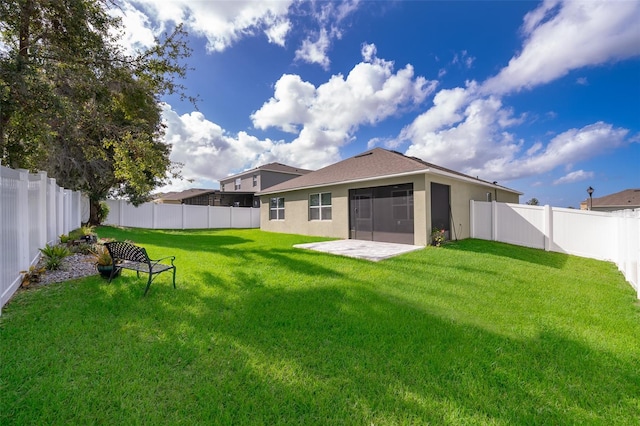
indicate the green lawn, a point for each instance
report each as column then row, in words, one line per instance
column 257, row 332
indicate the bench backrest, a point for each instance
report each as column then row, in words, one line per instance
column 119, row 250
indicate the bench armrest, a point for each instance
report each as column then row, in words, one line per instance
column 155, row 262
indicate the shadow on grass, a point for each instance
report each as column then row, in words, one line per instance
column 333, row 355
column 305, row 338
column 181, row 239
column 531, row 255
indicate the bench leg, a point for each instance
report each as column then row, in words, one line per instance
column 174, row 277
column 148, row 284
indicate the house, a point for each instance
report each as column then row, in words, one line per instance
column 248, row 183
column 259, row 179
column 194, row 196
column 207, row 197
column 379, row 195
column 627, row 199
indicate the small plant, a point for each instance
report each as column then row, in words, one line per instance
column 55, row 251
column 31, row 276
column 64, row 238
column 82, row 248
column 88, row 230
column 102, row 256
column 437, row 237
column 54, row 255
column 103, row 212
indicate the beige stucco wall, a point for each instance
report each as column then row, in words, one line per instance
column 297, row 207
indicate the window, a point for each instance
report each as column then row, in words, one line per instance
column 402, row 202
column 222, row 187
column 320, row 206
column 238, row 184
column 276, row 209
column 255, row 180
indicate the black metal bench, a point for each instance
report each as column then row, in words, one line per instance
column 128, row 256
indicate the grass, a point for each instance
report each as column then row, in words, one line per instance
column 257, row 332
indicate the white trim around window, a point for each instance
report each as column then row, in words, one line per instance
column 276, row 208
column 320, row 206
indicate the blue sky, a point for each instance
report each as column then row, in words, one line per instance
column 543, row 97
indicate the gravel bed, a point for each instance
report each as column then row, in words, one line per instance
column 73, row 267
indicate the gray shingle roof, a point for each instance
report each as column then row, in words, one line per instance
column 183, row 195
column 271, row 167
column 375, row 163
column 629, row 198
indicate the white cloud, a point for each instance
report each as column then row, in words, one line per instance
column 582, row 81
column 577, row 176
column 467, row 128
column 222, row 23
column 207, row 151
column 315, row 52
column 569, row 147
column 329, row 16
column 327, row 116
column 567, row 35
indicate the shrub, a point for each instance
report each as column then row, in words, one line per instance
column 31, row 276
column 82, row 248
column 437, row 236
column 54, row 255
column 53, row 263
column 103, row 211
column 101, row 255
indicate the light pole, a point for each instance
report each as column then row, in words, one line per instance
column 590, row 192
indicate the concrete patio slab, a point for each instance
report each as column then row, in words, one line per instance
column 369, row 250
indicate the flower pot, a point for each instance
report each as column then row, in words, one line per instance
column 105, row 270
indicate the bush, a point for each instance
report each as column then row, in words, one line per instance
column 83, row 248
column 54, row 255
column 103, row 211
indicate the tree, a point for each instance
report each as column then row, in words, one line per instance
column 74, row 104
column 533, row 202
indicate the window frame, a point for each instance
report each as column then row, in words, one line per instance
column 323, row 210
column 278, row 209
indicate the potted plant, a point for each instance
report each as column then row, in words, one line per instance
column 104, row 263
column 438, row 236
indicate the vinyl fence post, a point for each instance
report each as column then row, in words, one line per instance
column 548, row 227
column 42, row 200
column 184, row 219
column 472, row 217
column 154, row 215
column 494, row 221
column 23, row 219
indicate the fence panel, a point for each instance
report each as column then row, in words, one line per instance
column 180, row 216
column 520, row 224
column 598, row 235
column 481, row 220
column 585, row 233
column 33, row 212
column 195, row 217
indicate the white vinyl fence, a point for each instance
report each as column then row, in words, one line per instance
column 607, row 236
column 180, row 216
column 34, row 211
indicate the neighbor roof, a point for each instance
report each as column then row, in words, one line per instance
column 624, row 199
column 376, row 163
column 183, row 195
column 271, row 167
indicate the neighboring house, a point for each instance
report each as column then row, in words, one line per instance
column 197, row 197
column 627, row 199
column 260, row 178
column 207, row 197
column 249, row 182
column 379, row 195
